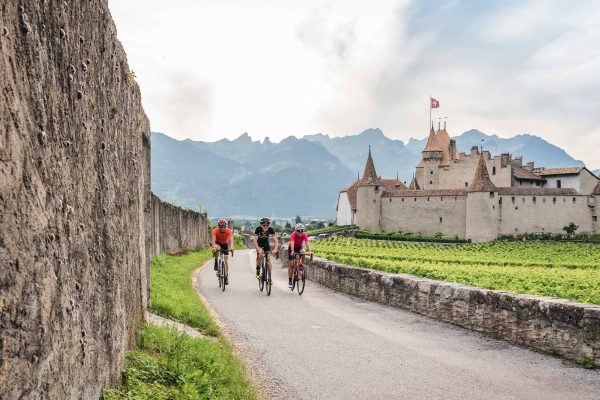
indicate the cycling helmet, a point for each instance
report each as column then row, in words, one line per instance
column 300, row 227
column 265, row 220
column 222, row 223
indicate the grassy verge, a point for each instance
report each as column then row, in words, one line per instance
column 171, row 365
column 173, row 295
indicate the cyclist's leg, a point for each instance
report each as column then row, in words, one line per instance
column 258, row 264
column 216, row 257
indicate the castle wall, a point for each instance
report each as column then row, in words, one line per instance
column 459, row 175
column 422, row 214
column 543, row 215
column 584, row 183
column 368, row 206
column 344, row 210
column 482, row 216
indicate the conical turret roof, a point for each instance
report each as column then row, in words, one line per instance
column 481, row 181
column 370, row 176
column 414, row 185
column 443, row 140
column 432, row 143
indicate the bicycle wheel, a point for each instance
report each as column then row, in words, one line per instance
column 268, row 280
column 261, row 277
column 223, row 275
column 219, row 273
column 301, row 279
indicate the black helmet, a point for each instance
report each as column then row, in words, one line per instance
column 265, row 220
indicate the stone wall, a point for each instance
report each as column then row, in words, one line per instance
column 74, row 193
column 176, row 228
column 554, row 326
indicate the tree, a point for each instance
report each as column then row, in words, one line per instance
column 288, row 225
column 298, row 219
column 570, row 229
column 320, row 225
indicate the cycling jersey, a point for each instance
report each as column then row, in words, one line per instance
column 222, row 238
column 263, row 237
column 297, row 239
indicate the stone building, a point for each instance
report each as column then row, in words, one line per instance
column 475, row 196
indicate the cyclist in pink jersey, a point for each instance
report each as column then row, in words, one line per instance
column 297, row 238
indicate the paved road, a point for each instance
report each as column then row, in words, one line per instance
column 326, row 345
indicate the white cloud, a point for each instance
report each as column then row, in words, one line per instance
column 219, row 68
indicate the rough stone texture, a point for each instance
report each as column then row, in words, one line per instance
column 560, row 327
column 176, row 228
column 74, row 192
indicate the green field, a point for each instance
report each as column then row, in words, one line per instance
column 565, row 270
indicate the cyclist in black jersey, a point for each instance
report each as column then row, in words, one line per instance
column 261, row 242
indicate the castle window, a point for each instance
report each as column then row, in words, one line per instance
column 513, row 200
column 440, row 220
column 564, row 199
column 574, row 200
column 558, row 183
column 534, row 200
column 466, row 184
column 373, row 200
column 491, row 194
column 456, row 198
column 431, row 182
column 403, row 199
column 523, row 199
column 554, row 200
column 431, row 172
column 376, row 188
column 594, row 218
column 544, row 200
column 428, row 199
column 500, row 200
column 520, row 182
column 441, row 199
column 415, row 199
column 493, row 170
column 390, row 199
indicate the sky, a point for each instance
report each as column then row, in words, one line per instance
column 215, row 69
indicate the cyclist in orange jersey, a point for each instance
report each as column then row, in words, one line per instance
column 222, row 239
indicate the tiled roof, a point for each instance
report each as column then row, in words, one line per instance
column 414, row 185
column 393, row 184
column 481, row 181
column 443, row 140
column 370, row 176
column 536, row 191
column 558, row 171
column 523, row 174
column 424, row 193
column 432, row 143
column 351, row 191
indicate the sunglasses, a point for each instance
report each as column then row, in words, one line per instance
column 264, row 224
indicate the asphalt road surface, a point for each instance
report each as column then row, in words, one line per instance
column 327, row 345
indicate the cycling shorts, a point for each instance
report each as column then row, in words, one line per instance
column 224, row 247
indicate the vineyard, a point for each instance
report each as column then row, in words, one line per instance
column 565, row 270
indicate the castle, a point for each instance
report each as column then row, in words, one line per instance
column 474, row 196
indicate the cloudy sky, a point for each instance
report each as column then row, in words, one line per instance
column 218, row 68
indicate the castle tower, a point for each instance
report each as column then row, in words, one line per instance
column 445, row 144
column 482, row 211
column 414, row 185
column 427, row 173
column 368, row 198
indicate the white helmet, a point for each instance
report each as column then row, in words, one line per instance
column 300, row 227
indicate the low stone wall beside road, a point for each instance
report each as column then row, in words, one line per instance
column 559, row 327
column 176, row 228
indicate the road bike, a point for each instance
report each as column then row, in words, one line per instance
column 221, row 272
column 264, row 274
column 298, row 272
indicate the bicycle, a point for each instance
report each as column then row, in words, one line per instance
column 298, row 272
column 264, row 275
column 221, row 272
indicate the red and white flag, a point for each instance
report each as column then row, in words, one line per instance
column 434, row 103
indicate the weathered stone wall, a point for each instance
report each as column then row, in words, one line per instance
column 74, row 193
column 176, row 228
column 555, row 326
column 427, row 215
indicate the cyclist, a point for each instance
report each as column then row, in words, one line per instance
column 295, row 246
column 261, row 242
column 222, row 239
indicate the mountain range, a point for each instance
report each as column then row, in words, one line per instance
column 246, row 178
